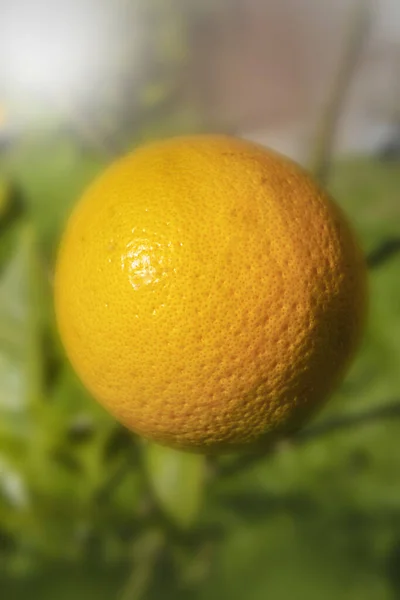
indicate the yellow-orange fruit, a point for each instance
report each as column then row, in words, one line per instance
column 208, row 293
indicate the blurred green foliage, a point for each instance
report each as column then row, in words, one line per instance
column 87, row 510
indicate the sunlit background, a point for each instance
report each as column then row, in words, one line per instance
column 86, row 509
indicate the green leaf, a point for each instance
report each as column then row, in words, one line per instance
column 51, row 173
column 177, row 480
column 22, row 308
column 14, row 324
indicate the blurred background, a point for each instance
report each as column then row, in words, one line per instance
column 86, row 509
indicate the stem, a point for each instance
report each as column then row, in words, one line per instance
column 384, row 252
column 359, row 27
column 390, row 410
column 142, row 572
column 34, row 339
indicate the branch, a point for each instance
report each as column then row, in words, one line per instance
column 383, row 252
column 378, row 413
column 139, row 581
column 354, row 45
column 389, row 410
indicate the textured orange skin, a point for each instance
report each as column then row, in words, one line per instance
column 208, row 293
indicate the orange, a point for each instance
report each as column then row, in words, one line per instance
column 208, row 293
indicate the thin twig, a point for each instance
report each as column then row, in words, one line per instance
column 359, row 27
column 379, row 413
column 386, row 411
column 117, row 477
column 384, row 252
column 143, row 569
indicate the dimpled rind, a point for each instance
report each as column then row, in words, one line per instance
column 208, row 293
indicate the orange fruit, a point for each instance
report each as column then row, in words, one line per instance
column 208, row 293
